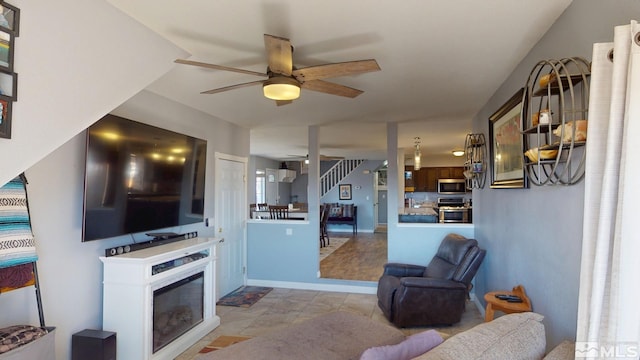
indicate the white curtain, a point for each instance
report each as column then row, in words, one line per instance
column 609, row 303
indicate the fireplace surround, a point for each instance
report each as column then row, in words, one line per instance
column 160, row 300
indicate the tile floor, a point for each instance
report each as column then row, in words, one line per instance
column 288, row 306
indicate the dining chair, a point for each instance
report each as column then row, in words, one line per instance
column 277, row 212
column 324, row 217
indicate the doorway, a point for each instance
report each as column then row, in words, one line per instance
column 271, row 186
column 230, row 210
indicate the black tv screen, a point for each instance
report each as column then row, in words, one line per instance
column 140, row 178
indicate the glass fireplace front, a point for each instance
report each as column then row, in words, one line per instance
column 177, row 308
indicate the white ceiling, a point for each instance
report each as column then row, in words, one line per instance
column 441, row 61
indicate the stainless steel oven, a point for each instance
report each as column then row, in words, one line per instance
column 453, row 210
column 449, row 214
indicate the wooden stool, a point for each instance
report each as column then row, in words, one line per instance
column 493, row 303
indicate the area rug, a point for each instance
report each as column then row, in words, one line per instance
column 244, row 296
column 335, row 243
column 222, row 341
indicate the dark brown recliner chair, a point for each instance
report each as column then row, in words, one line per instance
column 414, row 295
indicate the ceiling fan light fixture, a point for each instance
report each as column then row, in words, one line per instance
column 281, row 88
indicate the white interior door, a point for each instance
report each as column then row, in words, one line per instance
column 231, row 207
column 271, row 187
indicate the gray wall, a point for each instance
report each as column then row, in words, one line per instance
column 533, row 236
column 361, row 195
column 70, row 271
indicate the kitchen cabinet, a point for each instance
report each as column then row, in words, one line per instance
column 430, row 183
column 286, row 175
column 426, row 179
column 409, row 183
column 457, row 172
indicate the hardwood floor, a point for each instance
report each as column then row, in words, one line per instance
column 360, row 258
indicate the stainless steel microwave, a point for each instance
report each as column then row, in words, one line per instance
column 451, row 186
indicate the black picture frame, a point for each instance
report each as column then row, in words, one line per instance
column 5, row 117
column 9, row 18
column 9, row 85
column 6, row 50
column 345, row 192
column 507, row 145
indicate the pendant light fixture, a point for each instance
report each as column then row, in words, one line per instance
column 417, row 155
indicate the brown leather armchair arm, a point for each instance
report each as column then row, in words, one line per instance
column 402, row 270
column 431, row 283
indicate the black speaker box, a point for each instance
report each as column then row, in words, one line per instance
column 93, row 345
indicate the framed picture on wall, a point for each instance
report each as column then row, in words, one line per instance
column 5, row 117
column 507, row 145
column 6, row 51
column 9, row 18
column 345, row 192
column 8, row 85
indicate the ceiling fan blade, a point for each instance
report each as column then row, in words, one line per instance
column 279, row 54
column 283, row 102
column 335, row 70
column 331, row 88
column 232, row 87
column 219, row 67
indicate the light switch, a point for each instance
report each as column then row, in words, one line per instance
column 289, row 231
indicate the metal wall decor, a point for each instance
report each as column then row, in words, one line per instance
column 9, row 30
column 555, row 121
column 475, row 165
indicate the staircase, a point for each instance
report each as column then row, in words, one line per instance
column 339, row 171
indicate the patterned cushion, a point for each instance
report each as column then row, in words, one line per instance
column 16, row 238
column 347, row 210
column 336, row 211
column 13, row 336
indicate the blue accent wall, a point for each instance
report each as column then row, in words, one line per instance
column 533, row 236
column 418, row 243
column 274, row 255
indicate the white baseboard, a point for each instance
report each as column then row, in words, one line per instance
column 338, row 231
column 314, row 286
column 336, row 287
column 478, row 304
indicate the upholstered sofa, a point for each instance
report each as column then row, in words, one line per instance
column 344, row 214
column 343, row 335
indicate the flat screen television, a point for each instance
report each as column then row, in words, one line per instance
column 140, row 178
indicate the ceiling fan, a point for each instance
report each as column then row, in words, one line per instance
column 284, row 80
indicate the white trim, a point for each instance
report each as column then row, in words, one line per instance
column 347, row 230
column 314, row 286
column 337, row 288
column 219, row 155
column 476, row 301
column 245, row 161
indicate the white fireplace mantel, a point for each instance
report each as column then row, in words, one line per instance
column 129, row 282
